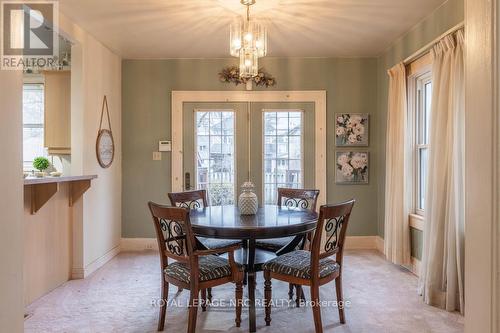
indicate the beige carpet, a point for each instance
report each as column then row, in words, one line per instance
column 120, row 298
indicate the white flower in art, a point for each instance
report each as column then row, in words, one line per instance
column 352, row 138
column 347, row 170
column 340, row 131
column 359, row 130
column 340, row 119
column 359, row 161
column 355, row 119
column 343, row 159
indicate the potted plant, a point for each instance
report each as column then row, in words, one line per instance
column 41, row 164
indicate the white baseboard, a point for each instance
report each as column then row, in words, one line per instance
column 415, row 266
column 352, row 243
column 380, row 244
column 139, row 244
column 82, row 273
column 362, row 243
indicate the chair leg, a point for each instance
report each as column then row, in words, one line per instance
column 340, row 298
column 316, row 308
column 268, row 296
column 300, row 294
column 203, row 300
column 290, row 291
column 239, row 301
column 209, row 290
column 193, row 310
column 163, row 305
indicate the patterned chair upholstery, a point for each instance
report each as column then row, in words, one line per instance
column 210, row 268
column 298, row 264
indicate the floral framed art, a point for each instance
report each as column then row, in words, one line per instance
column 351, row 129
column 352, row 167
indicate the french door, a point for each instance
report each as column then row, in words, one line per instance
column 226, row 144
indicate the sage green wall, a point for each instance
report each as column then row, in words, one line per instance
column 438, row 22
column 351, row 86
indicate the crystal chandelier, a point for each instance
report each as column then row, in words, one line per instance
column 248, row 41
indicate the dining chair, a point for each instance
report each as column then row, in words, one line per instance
column 293, row 198
column 290, row 197
column 196, row 200
column 314, row 267
column 193, row 269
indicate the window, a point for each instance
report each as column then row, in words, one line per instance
column 215, row 157
column 33, row 123
column 420, row 107
column 282, row 152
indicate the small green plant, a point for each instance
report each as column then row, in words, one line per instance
column 41, row 163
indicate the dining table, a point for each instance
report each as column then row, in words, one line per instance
column 270, row 221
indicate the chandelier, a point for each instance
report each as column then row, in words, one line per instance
column 248, row 41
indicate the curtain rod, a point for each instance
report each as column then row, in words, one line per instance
column 420, row 52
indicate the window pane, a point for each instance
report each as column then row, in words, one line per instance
column 33, row 123
column 422, row 177
column 427, row 111
column 215, row 155
column 33, row 100
column 282, row 152
column 33, row 144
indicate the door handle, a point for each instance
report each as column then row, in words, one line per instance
column 187, row 181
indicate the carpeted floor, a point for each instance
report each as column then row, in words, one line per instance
column 120, row 297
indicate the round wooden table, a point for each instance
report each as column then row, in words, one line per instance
column 270, row 222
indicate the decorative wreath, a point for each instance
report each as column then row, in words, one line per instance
column 231, row 74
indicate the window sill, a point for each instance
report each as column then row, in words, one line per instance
column 417, row 222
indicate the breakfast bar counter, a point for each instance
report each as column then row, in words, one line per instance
column 43, row 188
column 53, row 232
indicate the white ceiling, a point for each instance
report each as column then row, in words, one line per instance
column 200, row 28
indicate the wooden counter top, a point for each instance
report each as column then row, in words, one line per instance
column 42, row 189
column 62, row 179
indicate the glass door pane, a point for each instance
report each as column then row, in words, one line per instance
column 282, row 152
column 282, row 147
column 215, row 155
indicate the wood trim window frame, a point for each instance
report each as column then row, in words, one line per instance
column 418, row 74
column 317, row 97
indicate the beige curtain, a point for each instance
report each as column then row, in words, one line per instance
column 442, row 272
column 397, row 198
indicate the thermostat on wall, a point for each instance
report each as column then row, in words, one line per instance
column 165, row 146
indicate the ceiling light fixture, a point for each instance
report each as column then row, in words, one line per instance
column 248, row 41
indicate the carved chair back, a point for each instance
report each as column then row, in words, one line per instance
column 300, row 198
column 330, row 233
column 173, row 233
column 190, row 199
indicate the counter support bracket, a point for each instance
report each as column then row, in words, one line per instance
column 77, row 188
column 40, row 194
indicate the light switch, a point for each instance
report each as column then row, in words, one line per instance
column 156, row 156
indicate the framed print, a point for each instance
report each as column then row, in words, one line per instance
column 351, row 129
column 352, row 167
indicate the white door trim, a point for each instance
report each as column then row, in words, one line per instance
column 316, row 97
column 481, row 179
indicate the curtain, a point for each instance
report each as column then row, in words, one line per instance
column 442, row 271
column 397, row 197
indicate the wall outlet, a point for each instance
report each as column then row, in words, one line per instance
column 149, row 246
column 156, row 156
